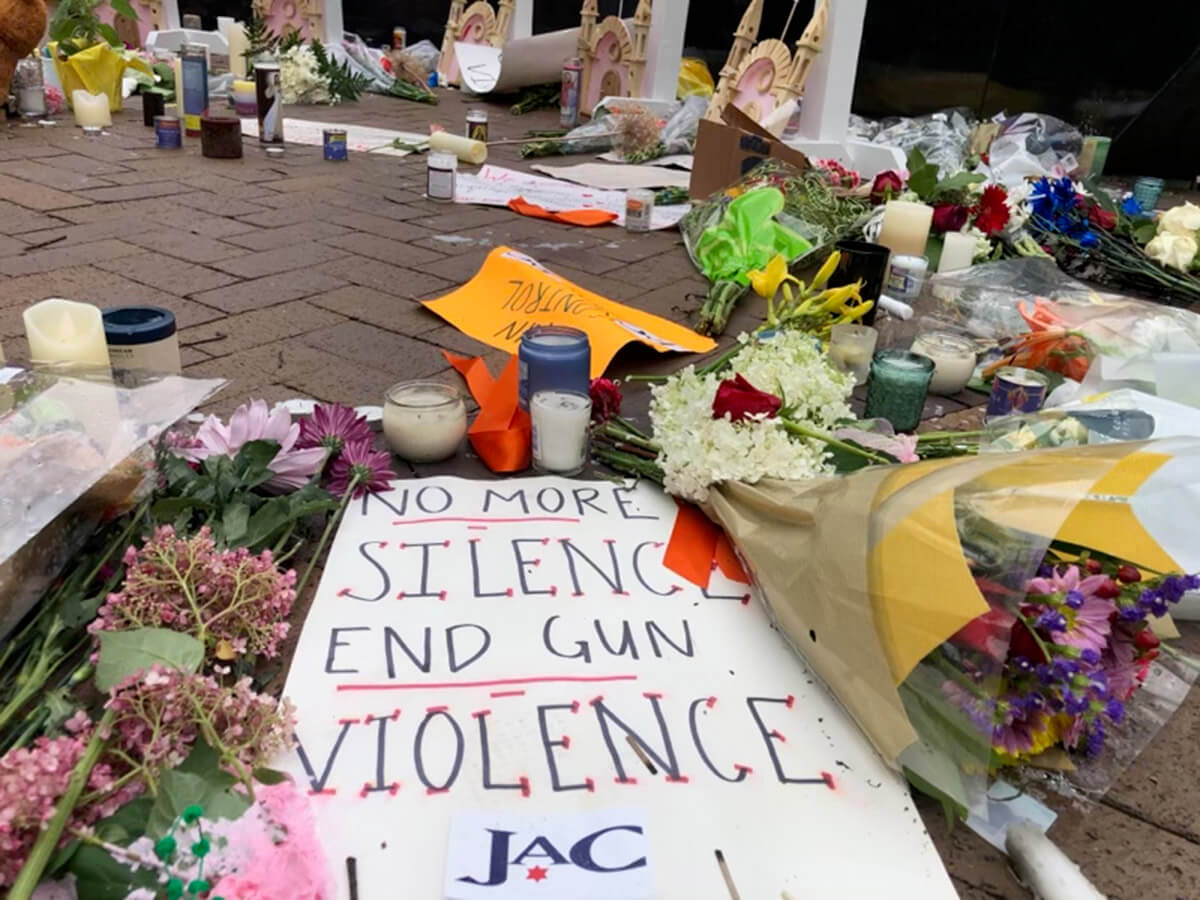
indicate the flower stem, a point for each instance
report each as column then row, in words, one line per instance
column 39, row 855
column 793, row 427
column 329, row 526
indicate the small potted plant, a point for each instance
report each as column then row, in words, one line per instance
column 88, row 53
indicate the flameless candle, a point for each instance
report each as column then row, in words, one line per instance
column 560, row 431
column 64, row 331
column 91, row 110
column 906, row 227
column 850, row 349
column 424, row 421
column 958, row 250
column 953, row 360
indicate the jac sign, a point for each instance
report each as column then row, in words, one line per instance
column 492, row 671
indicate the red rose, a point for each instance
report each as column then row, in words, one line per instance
column 886, row 185
column 988, row 633
column 949, row 217
column 606, row 399
column 1023, row 643
column 739, row 399
column 991, row 215
column 1102, row 218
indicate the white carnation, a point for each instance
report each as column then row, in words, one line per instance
column 299, row 78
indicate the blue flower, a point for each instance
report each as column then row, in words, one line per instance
column 1130, row 206
column 1041, row 198
column 1088, row 239
column 1074, row 599
column 1064, row 193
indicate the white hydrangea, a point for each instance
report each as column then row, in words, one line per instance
column 699, row 451
column 299, row 78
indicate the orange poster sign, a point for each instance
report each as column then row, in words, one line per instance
column 512, row 292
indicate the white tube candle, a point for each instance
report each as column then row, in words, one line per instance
column 1043, row 867
column 953, row 360
column 424, row 421
column 64, row 331
column 91, row 110
column 235, row 35
column 906, row 227
column 958, row 249
column 560, row 431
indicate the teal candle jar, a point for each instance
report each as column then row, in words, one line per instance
column 897, row 388
column 1146, row 191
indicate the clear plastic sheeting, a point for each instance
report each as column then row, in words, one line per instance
column 942, row 137
column 73, row 450
column 1031, row 145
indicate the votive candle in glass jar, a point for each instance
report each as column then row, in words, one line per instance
column 953, row 360
column 850, row 349
column 898, row 387
column 424, row 421
column 560, row 431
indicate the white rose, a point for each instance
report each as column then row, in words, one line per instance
column 1174, row 250
column 1184, row 220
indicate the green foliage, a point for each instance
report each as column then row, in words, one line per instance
column 98, row 876
column 344, row 84
column 199, row 780
column 923, row 180
column 260, row 40
column 290, row 38
column 124, row 653
column 75, row 25
column 225, row 495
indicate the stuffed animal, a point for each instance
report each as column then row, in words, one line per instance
column 22, row 24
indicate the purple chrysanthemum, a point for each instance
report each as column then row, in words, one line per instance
column 361, row 468
column 333, row 426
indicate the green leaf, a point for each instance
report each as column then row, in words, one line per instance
column 959, row 181
column 124, row 653
column 98, row 875
column 110, row 34
column 234, row 521
column 266, row 776
column 123, row 8
column 1144, row 231
column 198, row 780
column 252, row 463
column 922, row 175
column 169, row 509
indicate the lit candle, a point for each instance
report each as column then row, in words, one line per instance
column 91, row 110
column 953, row 360
column 560, row 431
column 851, row 348
column 424, row 421
column 906, row 227
column 64, row 331
column 958, row 250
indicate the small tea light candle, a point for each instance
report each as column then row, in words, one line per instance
column 953, row 360
column 91, row 110
column 560, row 431
column 64, row 331
column 851, row 348
column 958, row 250
column 906, row 227
column 424, row 421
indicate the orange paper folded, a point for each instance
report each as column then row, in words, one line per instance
column 500, row 433
column 588, row 218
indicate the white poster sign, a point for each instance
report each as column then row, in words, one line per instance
column 478, row 66
column 516, row 648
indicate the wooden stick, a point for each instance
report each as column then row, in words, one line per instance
column 729, row 885
column 641, row 754
column 788, row 23
column 581, row 137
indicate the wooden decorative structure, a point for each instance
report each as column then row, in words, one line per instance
column 613, row 54
column 758, row 78
column 151, row 17
column 305, row 16
column 477, row 23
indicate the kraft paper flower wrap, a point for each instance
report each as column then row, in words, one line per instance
column 870, row 575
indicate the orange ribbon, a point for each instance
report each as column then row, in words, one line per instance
column 500, row 433
column 585, row 217
column 698, row 546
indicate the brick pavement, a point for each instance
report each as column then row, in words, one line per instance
column 297, row 277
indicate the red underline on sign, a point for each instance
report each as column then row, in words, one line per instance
column 430, row 521
column 535, row 679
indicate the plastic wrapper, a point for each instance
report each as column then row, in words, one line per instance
column 676, row 132
column 694, row 79
column 1031, row 145
column 902, row 587
column 424, row 54
column 68, row 459
column 942, row 137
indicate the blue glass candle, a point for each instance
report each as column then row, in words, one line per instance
column 553, row 358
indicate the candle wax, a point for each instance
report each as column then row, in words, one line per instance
column 905, row 227
column 424, row 422
column 63, row 331
column 953, row 360
column 91, row 110
column 560, row 430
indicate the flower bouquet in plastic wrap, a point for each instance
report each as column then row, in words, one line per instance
column 971, row 612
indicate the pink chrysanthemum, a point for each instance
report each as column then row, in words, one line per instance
column 333, row 426
column 367, row 470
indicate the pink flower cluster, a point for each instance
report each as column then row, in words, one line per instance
column 187, row 585
column 33, row 778
column 161, row 712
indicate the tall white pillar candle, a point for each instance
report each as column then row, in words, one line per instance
column 64, row 331
column 560, row 430
column 958, row 249
column 235, row 35
column 91, row 110
column 906, row 227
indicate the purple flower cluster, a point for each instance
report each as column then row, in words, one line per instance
column 188, row 585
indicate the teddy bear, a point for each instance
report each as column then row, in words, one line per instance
column 22, row 24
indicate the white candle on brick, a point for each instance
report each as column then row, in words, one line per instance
column 424, row 421
column 905, row 227
column 64, row 331
column 560, row 430
column 91, row 110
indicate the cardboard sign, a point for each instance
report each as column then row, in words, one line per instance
column 512, row 292
column 505, row 855
column 517, row 649
column 726, row 152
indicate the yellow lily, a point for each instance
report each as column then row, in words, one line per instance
column 767, row 280
column 827, row 269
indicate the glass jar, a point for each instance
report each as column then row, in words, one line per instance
column 953, row 360
column 441, row 172
column 851, row 348
column 898, row 387
column 30, row 88
column 424, row 421
column 561, row 420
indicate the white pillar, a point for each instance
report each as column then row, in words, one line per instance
column 522, row 20
column 334, row 24
column 170, row 13
column 664, row 49
column 825, row 109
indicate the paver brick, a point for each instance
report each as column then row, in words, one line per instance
column 283, row 259
column 36, row 196
column 374, row 348
column 136, row 191
column 274, row 238
column 258, row 327
column 396, row 253
column 376, row 308
column 52, row 177
column 385, row 277
column 382, row 226
column 270, row 291
column 83, row 165
column 63, row 257
column 166, row 274
column 185, row 246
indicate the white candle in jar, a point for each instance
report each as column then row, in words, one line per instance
column 560, row 430
column 64, row 331
column 91, row 110
column 905, row 227
column 953, row 360
column 424, row 421
column 958, row 249
column 851, row 348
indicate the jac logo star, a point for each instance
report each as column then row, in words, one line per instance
column 580, row 854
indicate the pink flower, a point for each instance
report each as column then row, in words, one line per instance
column 901, row 447
column 1086, row 614
column 369, row 471
column 254, row 422
column 332, row 426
